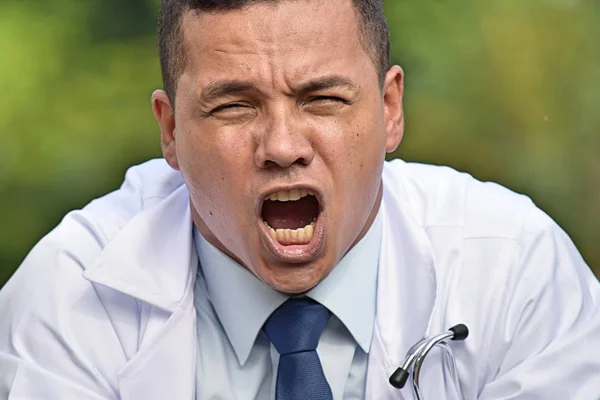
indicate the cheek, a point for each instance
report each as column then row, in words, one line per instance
column 213, row 160
column 215, row 172
column 362, row 151
column 360, row 167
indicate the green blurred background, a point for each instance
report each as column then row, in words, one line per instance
column 508, row 90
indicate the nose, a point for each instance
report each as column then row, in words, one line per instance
column 283, row 142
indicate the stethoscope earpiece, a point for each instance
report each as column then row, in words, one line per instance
column 398, row 378
column 461, row 332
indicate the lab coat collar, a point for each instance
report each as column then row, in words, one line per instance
column 406, row 290
column 135, row 261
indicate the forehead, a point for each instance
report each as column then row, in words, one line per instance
column 290, row 37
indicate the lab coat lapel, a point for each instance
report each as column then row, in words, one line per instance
column 406, row 292
column 150, row 258
column 153, row 260
column 165, row 367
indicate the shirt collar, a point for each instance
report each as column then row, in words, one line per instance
column 243, row 302
column 350, row 290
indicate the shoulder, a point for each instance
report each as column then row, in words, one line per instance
column 485, row 233
column 440, row 196
column 82, row 234
column 144, row 186
column 485, row 225
column 71, row 247
column 483, row 217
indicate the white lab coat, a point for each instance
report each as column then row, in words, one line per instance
column 102, row 308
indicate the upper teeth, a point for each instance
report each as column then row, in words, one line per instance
column 290, row 195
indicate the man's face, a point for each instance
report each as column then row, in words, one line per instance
column 280, row 131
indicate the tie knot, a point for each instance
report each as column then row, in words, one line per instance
column 297, row 325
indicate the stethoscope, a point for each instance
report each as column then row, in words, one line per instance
column 417, row 353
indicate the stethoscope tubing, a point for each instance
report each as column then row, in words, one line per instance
column 418, row 352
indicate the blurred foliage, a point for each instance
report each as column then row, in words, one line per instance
column 507, row 90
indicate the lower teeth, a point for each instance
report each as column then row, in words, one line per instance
column 293, row 236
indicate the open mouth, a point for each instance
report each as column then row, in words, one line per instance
column 291, row 216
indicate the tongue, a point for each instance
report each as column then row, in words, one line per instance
column 290, row 214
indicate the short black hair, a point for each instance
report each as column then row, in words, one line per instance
column 373, row 29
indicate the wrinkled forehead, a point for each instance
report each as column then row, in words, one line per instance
column 289, row 36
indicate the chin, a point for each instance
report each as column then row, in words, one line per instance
column 294, row 280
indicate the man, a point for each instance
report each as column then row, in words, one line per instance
column 273, row 253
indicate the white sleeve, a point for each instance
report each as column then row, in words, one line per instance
column 547, row 341
column 21, row 380
column 46, row 308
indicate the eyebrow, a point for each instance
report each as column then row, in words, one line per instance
column 326, row 82
column 218, row 89
column 215, row 90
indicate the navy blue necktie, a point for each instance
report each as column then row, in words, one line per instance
column 295, row 329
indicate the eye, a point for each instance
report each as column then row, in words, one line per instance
column 327, row 99
column 234, row 112
column 236, row 106
column 325, row 105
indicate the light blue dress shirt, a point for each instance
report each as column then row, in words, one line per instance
column 236, row 360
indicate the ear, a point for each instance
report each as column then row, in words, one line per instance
column 393, row 92
column 161, row 106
